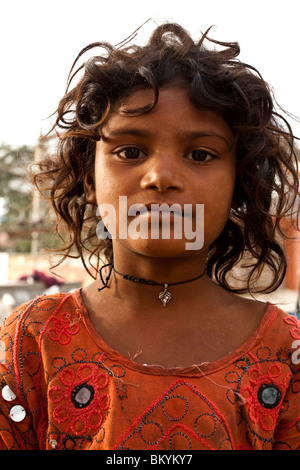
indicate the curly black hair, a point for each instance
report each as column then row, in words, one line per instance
column 267, row 177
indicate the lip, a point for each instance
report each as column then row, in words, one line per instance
column 165, row 207
column 154, row 207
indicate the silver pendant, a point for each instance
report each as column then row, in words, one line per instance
column 165, row 296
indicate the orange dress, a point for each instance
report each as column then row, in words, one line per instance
column 62, row 387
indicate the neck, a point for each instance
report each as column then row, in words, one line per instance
column 167, row 287
column 161, row 270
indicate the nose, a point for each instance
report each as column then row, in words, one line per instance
column 163, row 173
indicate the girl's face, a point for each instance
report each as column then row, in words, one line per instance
column 175, row 154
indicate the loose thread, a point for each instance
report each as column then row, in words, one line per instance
column 241, row 399
column 118, row 378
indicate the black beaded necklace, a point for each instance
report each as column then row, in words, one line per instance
column 164, row 296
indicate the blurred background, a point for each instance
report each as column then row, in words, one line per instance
column 39, row 41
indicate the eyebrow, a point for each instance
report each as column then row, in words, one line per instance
column 144, row 133
column 123, row 131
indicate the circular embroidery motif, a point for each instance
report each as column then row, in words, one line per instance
column 79, row 398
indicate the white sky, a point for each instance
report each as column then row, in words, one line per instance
column 39, row 39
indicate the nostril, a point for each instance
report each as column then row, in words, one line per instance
column 161, row 188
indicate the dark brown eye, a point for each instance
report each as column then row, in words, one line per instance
column 130, row 153
column 200, row 155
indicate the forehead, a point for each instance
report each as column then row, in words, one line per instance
column 174, row 110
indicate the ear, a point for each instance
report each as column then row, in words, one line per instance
column 89, row 189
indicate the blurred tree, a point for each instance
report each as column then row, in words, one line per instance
column 16, row 197
column 27, row 222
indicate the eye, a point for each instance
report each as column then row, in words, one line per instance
column 130, row 153
column 200, row 156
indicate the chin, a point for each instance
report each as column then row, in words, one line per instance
column 161, row 248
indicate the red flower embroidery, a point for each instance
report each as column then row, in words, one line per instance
column 265, row 416
column 294, row 332
column 63, row 327
column 80, row 401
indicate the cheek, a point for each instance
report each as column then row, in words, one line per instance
column 106, row 186
column 111, row 199
column 217, row 205
column 110, row 181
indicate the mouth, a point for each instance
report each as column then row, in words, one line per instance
column 161, row 208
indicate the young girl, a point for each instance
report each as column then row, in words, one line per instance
column 159, row 352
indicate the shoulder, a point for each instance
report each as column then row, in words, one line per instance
column 274, row 336
column 276, row 346
column 27, row 321
column 40, row 307
column 270, row 325
column 32, row 334
column 284, row 330
column 286, row 326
